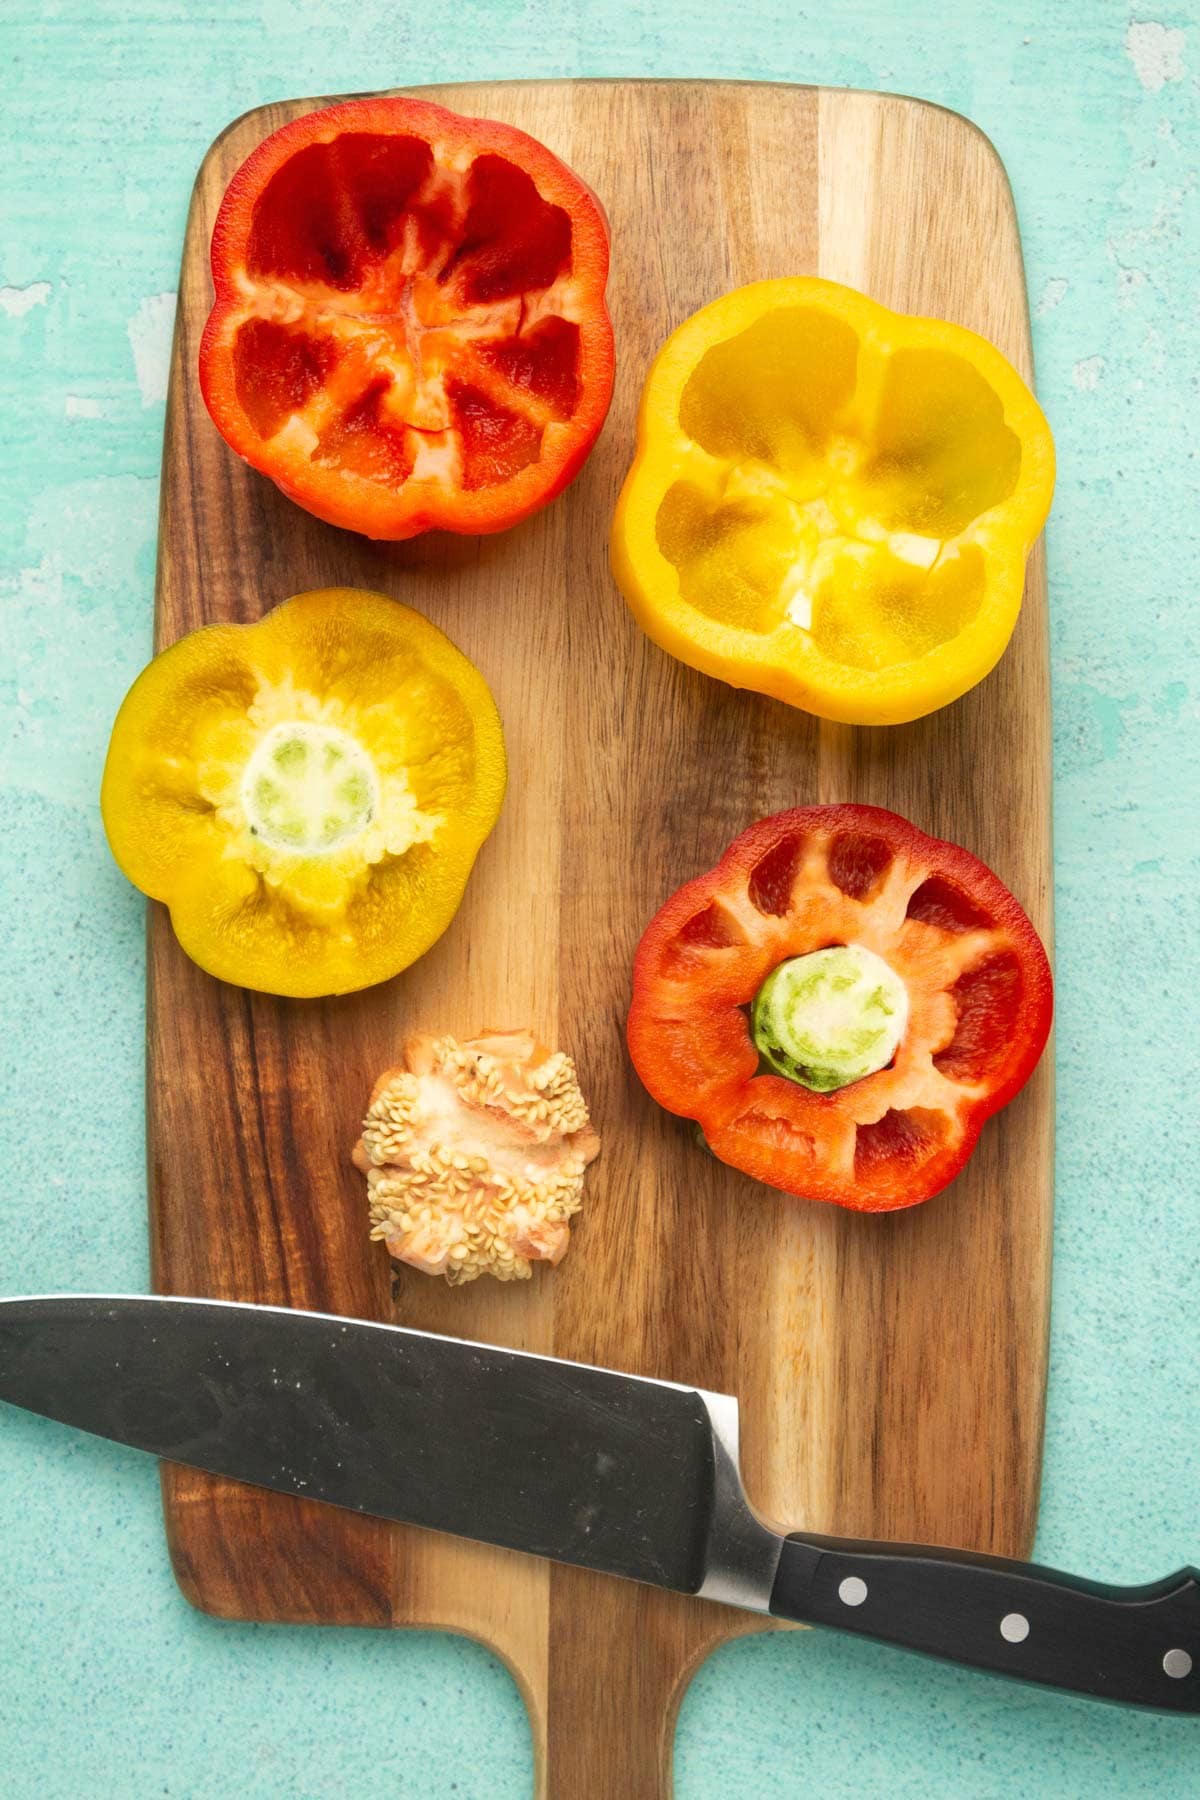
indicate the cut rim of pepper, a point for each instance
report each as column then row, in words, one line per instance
column 409, row 328
column 977, row 979
column 308, row 793
column 832, row 503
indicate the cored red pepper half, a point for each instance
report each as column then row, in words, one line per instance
column 409, row 329
column 730, row 986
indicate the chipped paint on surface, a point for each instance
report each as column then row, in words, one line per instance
column 1156, row 52
column 81, row 406
column 1128, row 283
column 1053, row 294
column 16, row 301
column 150, row 331
column 1089, row 373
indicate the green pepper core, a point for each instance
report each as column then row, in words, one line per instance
column 830, row 1018
column 309, row 787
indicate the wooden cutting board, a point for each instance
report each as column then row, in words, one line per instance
column 891, row 1370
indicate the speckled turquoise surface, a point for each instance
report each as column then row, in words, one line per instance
column 109, row 1684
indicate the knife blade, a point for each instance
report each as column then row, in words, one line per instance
column 621, row 1473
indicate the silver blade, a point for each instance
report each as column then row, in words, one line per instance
column 623, row 1474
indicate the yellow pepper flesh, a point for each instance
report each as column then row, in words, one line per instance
column 832, row 503
column 307, row 794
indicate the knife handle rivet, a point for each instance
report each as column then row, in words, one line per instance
column 852, row 1591
column 1177, row 1664
column 1014, row 1628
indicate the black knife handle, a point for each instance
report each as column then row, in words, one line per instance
column 1137, row 1645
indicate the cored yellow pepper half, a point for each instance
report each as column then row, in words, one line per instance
column 307, row 794
column 832, row 503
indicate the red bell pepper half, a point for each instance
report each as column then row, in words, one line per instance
column 969, row 964
column 409, row 329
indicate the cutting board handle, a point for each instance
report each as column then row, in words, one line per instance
column 620, row 1659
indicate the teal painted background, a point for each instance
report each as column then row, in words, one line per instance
column 109, row 1684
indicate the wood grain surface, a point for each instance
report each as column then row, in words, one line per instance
column 891, row 1370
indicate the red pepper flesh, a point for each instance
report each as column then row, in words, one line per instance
column 978, row 982
column 409, row 330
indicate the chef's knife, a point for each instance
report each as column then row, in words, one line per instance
column 623, row 1474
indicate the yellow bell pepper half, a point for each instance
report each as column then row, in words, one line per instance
column 832, row 503
column 307, row 794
